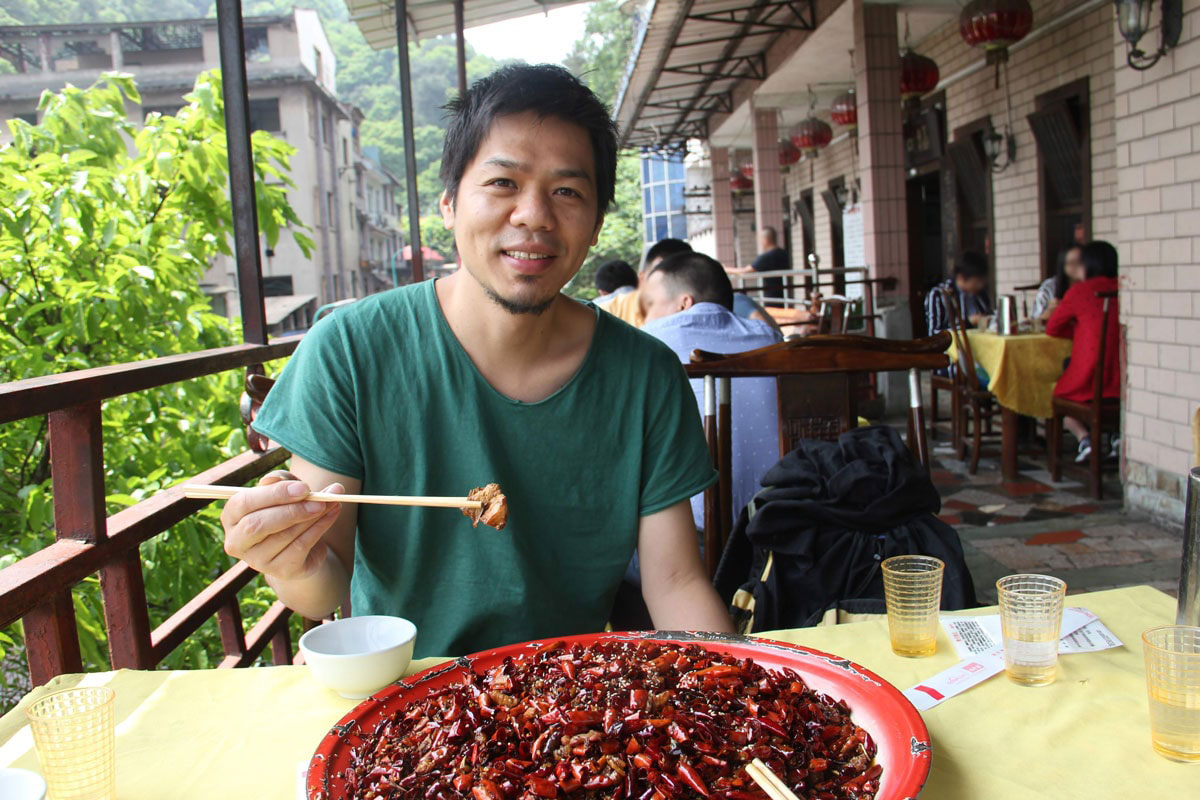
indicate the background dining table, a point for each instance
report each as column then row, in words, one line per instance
column 188, row 735
column 1022, row 369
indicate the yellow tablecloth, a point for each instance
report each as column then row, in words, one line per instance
column 1023, row 368
column 242, row 733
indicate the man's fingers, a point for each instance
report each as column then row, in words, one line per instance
column 247, row 501
column 293, row 558
column 276, row 476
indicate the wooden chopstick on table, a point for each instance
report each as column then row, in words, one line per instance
column 771, row 783
column 211, row 492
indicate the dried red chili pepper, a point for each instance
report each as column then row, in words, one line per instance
column 635, row 720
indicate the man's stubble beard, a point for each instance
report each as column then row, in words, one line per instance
column 517, row 307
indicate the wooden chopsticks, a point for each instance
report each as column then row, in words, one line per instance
column 210, row 492
column 769, row 781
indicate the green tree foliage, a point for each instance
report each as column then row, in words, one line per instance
column 599, row 59
column 105, row 233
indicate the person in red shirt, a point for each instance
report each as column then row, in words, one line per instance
column 1078, row 317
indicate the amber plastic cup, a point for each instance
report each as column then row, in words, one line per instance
column 1031, row 609
column 912, row 586
column 1173, row 685
column 73, row 733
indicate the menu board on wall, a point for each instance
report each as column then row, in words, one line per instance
column 853, row 246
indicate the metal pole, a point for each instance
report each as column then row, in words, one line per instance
column 1189, row 571
column 241, row 170
column 462, row 48
column 410, row 155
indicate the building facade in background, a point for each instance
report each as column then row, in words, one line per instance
column 1014, row 154
column 345, row 198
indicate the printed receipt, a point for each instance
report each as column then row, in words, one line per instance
column 978, row 640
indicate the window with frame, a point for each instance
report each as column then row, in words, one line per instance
column 1062, row 130
column 663, row 203
column 264, row 115
column 973, row 190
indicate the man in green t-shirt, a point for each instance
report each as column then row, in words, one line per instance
column 490, row 375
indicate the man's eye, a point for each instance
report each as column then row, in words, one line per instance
column 505, row 182
column 568, row 191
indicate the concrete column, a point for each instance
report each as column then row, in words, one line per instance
column 768, row 180
column 44, row 52
column 881, row 144
column 114, row 46
column 722, row 207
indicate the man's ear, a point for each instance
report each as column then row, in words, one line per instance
column 446, row 206
column 686, row 301
column 596, row 233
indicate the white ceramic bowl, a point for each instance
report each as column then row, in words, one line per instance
column 358, row 656
column 21, row 784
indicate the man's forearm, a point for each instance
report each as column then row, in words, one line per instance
column 318, row 595
column 691, row 604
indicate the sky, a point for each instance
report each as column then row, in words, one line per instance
column 541, row 38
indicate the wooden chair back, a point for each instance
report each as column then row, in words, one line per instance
column 1098, row 380
column 833, row 316
column 964, row 374
column 829, row 366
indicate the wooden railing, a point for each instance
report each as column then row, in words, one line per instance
column 37, row 589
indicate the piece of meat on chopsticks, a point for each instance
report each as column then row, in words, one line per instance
column 493, row 510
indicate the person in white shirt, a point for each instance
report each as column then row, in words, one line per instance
column 1068, row 272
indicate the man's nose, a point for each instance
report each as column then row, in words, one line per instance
column 533, row 210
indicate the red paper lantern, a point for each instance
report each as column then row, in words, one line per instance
column 812, row 134
column 788, row 153
column 747, row 170
column 918, row 74
column 995, row 24
column 845, row 109
column 740, row 183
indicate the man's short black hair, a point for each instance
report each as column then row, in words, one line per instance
column 972, row 265
column 612, row 275
column 548, row 91
column 698, row 275
column 1099, row 259
column 666, row 247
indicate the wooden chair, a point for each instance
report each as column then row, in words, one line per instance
column 832, row 316
column 974, row 403
column 817, row 378
column 1100, row 414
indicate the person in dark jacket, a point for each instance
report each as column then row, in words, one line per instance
column 1079, row 317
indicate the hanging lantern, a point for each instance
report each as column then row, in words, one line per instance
column 918, row 74
column 788, row 153
column 995, row 25
column 845, row 110
column 740, row 183
column 747, row 170
column 812, row 134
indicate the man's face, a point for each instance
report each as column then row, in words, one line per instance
column 1073, row 265
column 659, row 300
column 525, row 214
column 973, row 285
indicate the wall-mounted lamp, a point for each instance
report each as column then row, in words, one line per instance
column 1133, row 19
column 996, row 144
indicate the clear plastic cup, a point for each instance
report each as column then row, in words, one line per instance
column 1173, row 685
column 1031, row 609
column 73, row 733
column 912, row 586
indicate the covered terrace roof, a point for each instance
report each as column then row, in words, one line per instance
column 377, row 18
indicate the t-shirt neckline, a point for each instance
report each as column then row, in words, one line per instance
column 462, row 353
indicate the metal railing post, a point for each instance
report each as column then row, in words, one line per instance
column 241, row 170
column 1189, row 571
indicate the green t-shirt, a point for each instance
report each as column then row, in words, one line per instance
column 383, row 391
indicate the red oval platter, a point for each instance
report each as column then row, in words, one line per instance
column 876, row 705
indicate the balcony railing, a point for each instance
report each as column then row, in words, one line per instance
column 37, row 589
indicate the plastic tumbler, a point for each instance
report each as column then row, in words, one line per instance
column 1173, row 684
column 73, row 732
column 912, row 586
column 1031, row 609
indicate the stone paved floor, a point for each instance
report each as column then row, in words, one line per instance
column 1034, row 525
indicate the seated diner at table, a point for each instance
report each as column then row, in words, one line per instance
column 628, row 307
column 490, row 375
column 689, row 306
column 1078, row 318
column 1067, row 273
column 969, row 282
column 613, row 279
